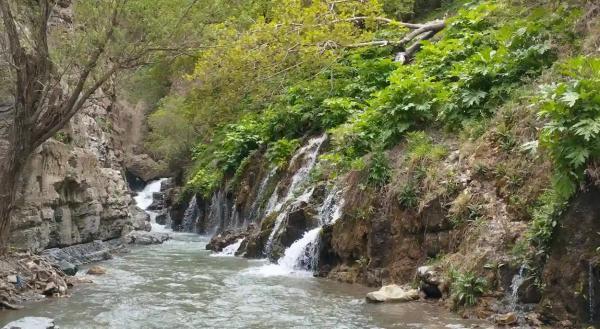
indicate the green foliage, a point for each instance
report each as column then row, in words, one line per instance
column 280, row 151
column 572, row 111
column 409, row 196
column 63, row 137
column 240, row 139
column 466, row 288
column 204, row 181
column 379, row 172
column 544, row 220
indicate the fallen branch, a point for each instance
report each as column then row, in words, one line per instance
column 421, row 32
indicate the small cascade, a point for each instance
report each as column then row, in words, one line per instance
column 591, row 291
column 516, row 282
column 255, row 208
column 297, row 257
column 302, row 256
column 190, row 216
column 230, row 250
column 144, row 199
column 308, row 155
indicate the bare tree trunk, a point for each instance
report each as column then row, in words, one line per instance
column 11, row 167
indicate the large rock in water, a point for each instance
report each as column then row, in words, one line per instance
column 31, row 322
column 145, row 238
column 78, row 254
column 223, row 239
column 393, row 293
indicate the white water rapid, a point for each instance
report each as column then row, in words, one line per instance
column 144, row 199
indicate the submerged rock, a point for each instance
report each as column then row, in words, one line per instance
column 393, row 293
column 31, row 322
column 145, row 238
column 505, row 319
column 96, row 270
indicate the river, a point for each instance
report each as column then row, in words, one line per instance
column 179, row 284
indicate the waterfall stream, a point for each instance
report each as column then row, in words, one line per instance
column 307, row 157
column 516, row 282
column 144, row 199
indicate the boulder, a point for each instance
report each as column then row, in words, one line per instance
column 144, row 167
column 505, row 319
column 96, row 270
column 393, row 293
column 145, row 238
column 223, row 239
column 32, row 323
column 67, row 267
column 430, row 281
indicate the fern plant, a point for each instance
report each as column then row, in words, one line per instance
column 466, row 288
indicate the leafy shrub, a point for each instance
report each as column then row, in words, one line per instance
column 572, row 109
column 409, row 196
column 204, row 181
column 240, row 139
column 280, row 151
column 379, row 172
column 466, row 288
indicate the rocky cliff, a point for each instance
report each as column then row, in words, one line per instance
column 74, row 190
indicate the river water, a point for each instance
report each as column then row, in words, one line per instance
column 179, row 284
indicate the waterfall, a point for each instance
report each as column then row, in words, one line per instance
column 255, row 208
column 591, row 291
column 307, row 157
column 190, row 216
column 230, row 250
column 301, row 258
column 144, row 199
column 516, row 282
column 296, row 257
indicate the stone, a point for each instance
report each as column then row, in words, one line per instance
column 505, row 319
column 12, row 279
column 223, row 239
column 32, row 323
column 430, row 281
column 67, row 268
column 145, row 238
column 96, row 270
column 393, row 293
column 144, row 167
column 50, row 289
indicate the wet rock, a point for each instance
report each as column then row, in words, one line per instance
column 140, row 221
column 158, row 201
column 505, row 319
column 430, row 281
column 528, row 292
column 32, row 323
column 223, row 239
column 393, row 293
column 68, row 268
column 50, row 289
column 96, row 270
column 162, row 218
column 145, row 238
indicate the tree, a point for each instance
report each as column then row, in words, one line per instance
column 105, row 37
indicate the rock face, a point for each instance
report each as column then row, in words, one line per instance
column 223, row 239
column 32, row 323
column 73, row 189
column 393, row 293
